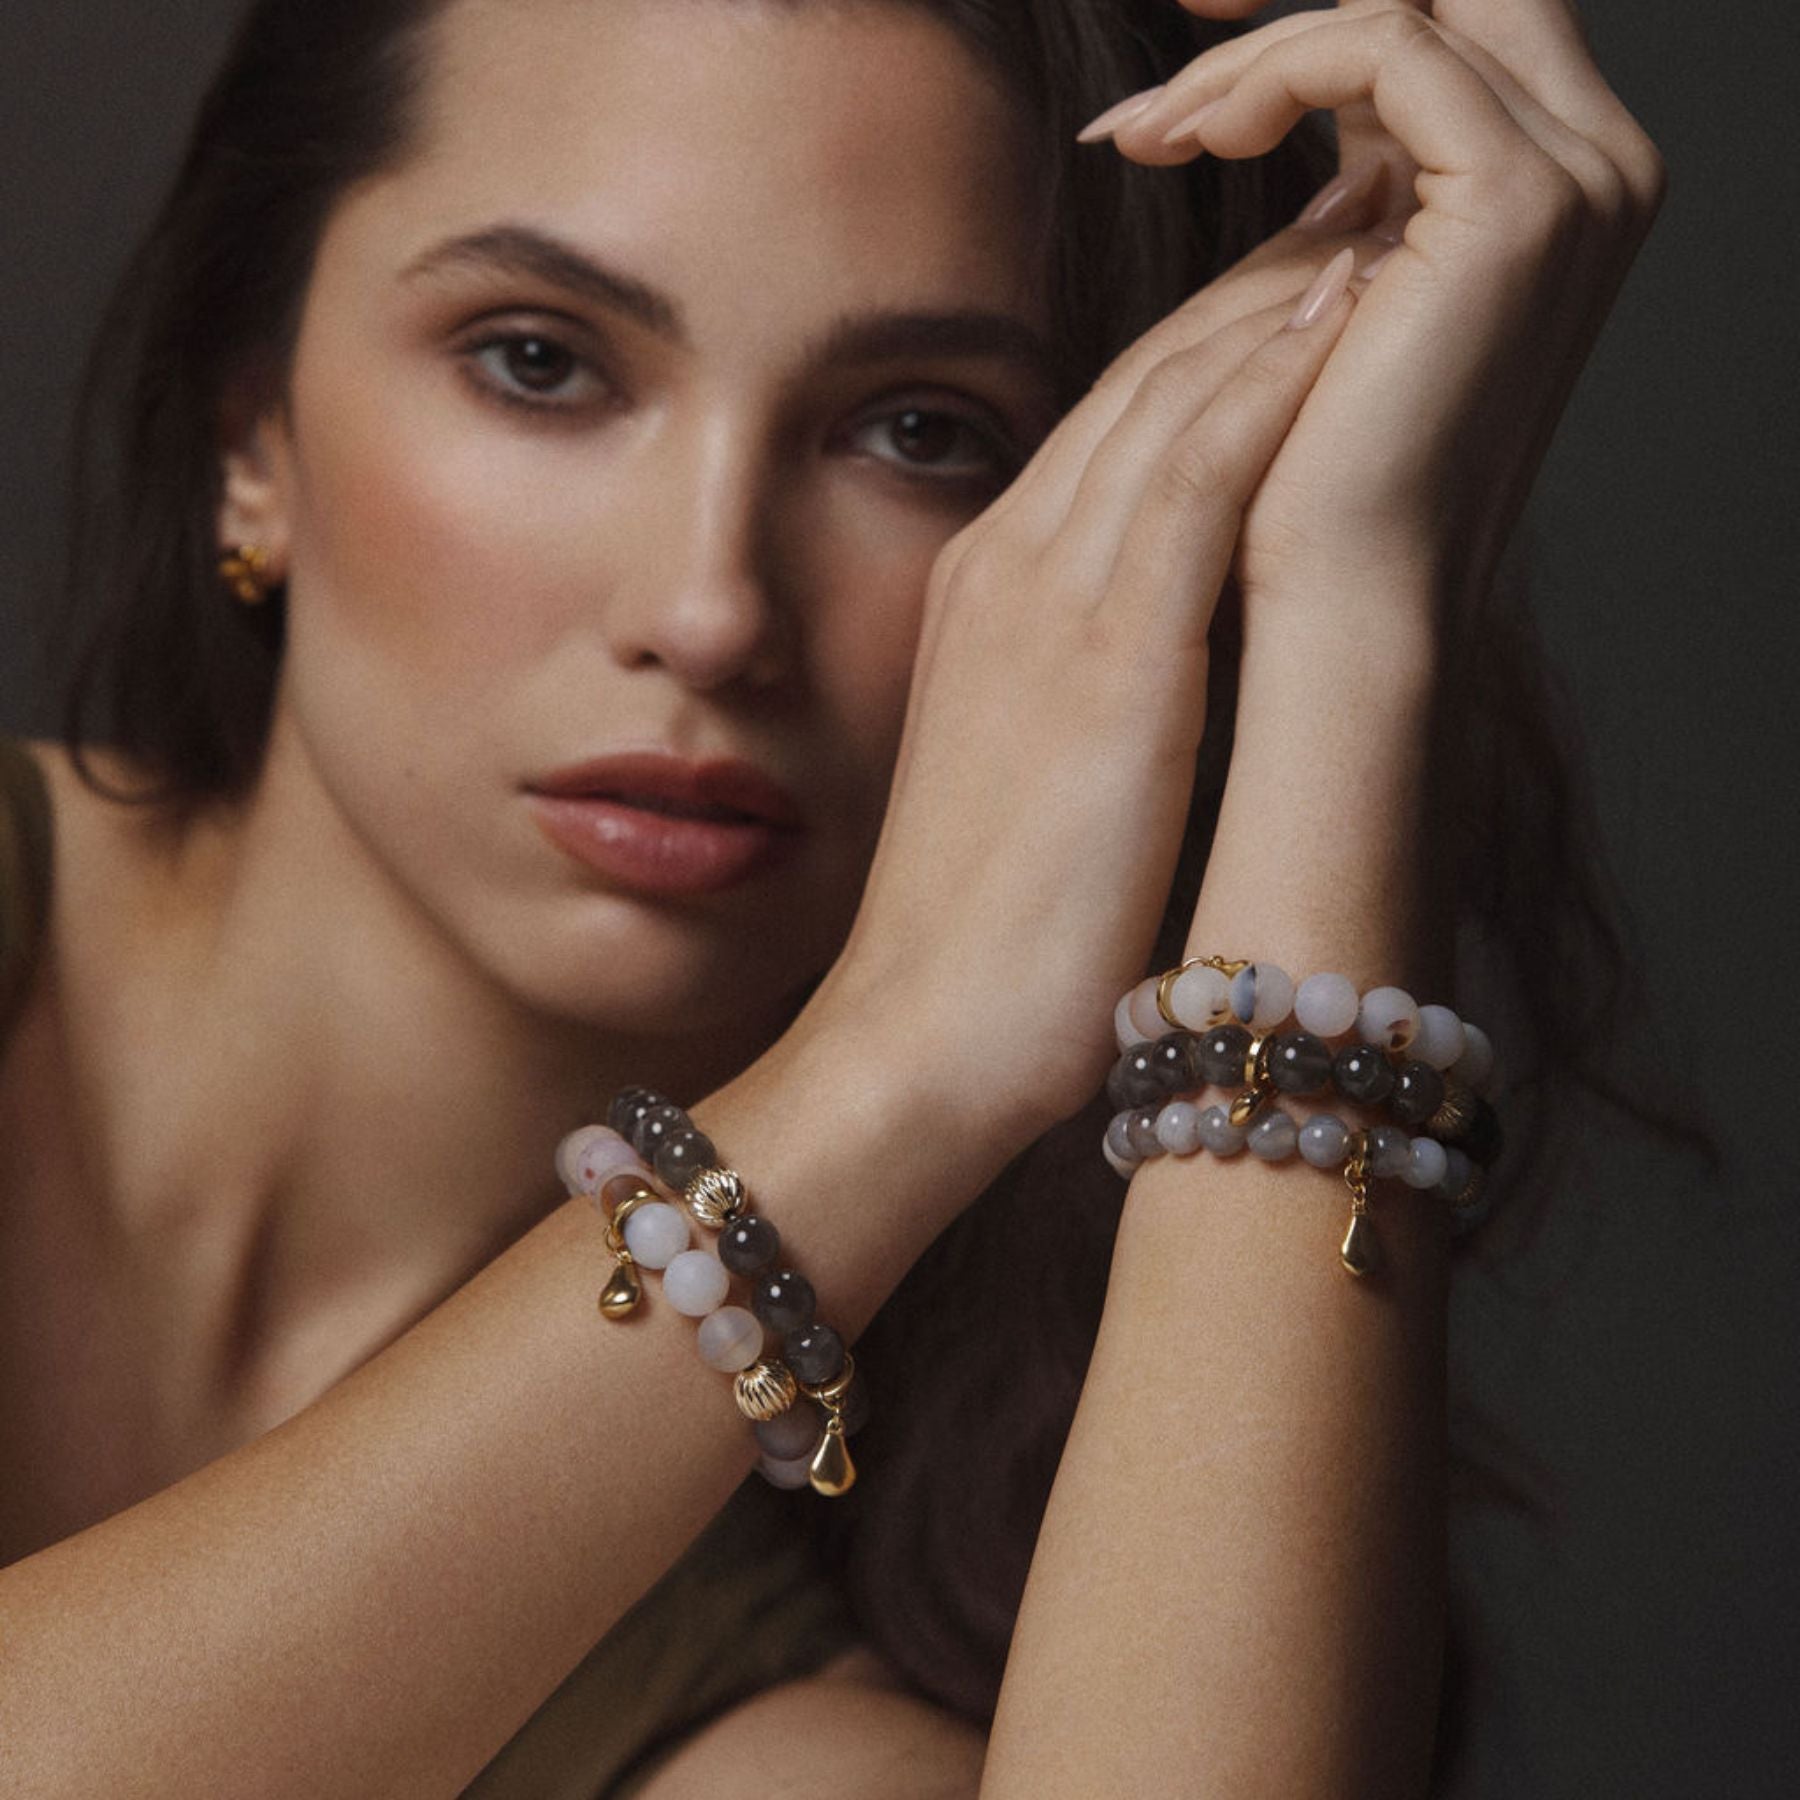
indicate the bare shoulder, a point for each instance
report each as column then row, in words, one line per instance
column 852, row 1729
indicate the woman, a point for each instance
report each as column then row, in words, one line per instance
column 615, row 414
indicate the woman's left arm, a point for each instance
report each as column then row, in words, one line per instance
column 1238, row 1586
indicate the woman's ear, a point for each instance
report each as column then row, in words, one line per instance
column 256, row 493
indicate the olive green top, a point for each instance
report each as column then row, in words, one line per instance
column 748, row 1606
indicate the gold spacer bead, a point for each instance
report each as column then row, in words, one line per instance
column 716, row 1197
column 1455, row 1114
column 765, row 1391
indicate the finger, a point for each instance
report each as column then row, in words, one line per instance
column 1155, row 523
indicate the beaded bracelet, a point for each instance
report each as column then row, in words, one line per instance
column 799, row 1446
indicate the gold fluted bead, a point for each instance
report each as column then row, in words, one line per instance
column 716, row 1197
column 1455, row 1113
column 765, row 1391
column 1472, row 1192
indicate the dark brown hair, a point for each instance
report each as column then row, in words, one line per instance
column 1002, row 1312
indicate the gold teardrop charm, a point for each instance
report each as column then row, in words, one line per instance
column 832, row 1472
column 623, row 1290
column 1360, row 1250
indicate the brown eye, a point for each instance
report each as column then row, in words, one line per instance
column 531, row 368
column 537, row 363
column 938, row 444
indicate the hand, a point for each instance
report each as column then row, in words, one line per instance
column 1047, row 756
column 1519, row 189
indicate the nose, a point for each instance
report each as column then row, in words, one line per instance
column 696, row 598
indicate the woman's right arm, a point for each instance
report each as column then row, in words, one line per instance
column 374, row 1596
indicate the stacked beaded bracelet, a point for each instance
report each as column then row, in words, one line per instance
column 1461, row 1131
column 651, row 1148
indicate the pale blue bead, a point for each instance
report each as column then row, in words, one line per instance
column 1325, row 1141
column 1218, row 1133
column 1427, row 1165
column 1178, row 1128
column 1440, row 1039
column 1273, row 1136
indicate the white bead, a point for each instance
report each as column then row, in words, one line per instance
column 1388, row 1019
column 695, row 1283
column 1262, row 995
column 1149, row 1022
column 1178, row 1128
column 1200, row 998
column 1326, row 1005
column 1441, row 1039
column 587, row 1156
column 1325, row 1141
column 1476, row 1063
column 1426, row 1164
column 730, row 1339
column 656, row 1234
column 1123, row 1030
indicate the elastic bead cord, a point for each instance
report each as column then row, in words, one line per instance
column 651, row 1174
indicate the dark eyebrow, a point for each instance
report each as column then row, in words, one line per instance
column 858, row 338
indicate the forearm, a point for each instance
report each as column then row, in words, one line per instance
column 1237, row 1589
column 374, row 1596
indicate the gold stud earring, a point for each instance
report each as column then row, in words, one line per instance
column 245, row 571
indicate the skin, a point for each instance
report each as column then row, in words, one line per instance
column 200, row 1222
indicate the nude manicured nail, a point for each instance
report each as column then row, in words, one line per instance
column 1115, row 116
column 1192, row 122
column 1333, row 202
column 1319, row 299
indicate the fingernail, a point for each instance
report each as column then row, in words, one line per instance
column 1192, row 122
column 1115, row 116
column 1332, row 201
column 1322, row 295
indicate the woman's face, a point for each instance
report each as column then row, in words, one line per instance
column 627, row 415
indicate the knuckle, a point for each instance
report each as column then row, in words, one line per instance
column 1197, row 470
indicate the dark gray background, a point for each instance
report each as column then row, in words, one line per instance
column 1643, row 1642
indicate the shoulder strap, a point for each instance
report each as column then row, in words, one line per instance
column 24, row 873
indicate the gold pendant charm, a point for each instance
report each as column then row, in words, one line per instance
column 1360, row 1251
column 1256, row 1073
column 832, row 1473
column 619, row 1298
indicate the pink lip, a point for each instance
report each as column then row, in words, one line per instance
column 587, row 811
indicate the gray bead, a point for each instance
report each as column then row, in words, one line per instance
column 656, row 1125
column 1140, row 1132
column 1218, row 1133
column 1132, row 1082
column 1418, row 1093
column 815, row 1353
column 1299, row 1063
column 629, row 1105
column 1363, row 1074
column 1325, row 1141
column 1118, row 1138
column 1390, row 1151
column 1457, row 1173
column 681, row 1157
column 784, row 1301
column 1273, row 1136
column 749, row 1246
column 793, row 1433
column 1220, row 1058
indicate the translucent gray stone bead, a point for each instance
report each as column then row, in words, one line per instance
column 1325, row 1141
column 795, row 1432
column 790, row 1475
column 1418, row 1093
column 1390, row 1151
column 1363, row 1073
column 1220, row 1057
column 815, row 1353
column 1475, row 1066
column 1133, row 1082
column 1140, row 1133
column 1458, row 1172
column 681, row 1157
column 1273, row 1136
column 1429, row 1165
column 1122, row 1166
column 1299, row 1063
column 749, row 1246
column 1118, row 1140
column 785, row 1301
column 1218, row 1133
column 656, row 1125
column 629, row 1105
column 1175, row 1056
column 1178, row 1128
